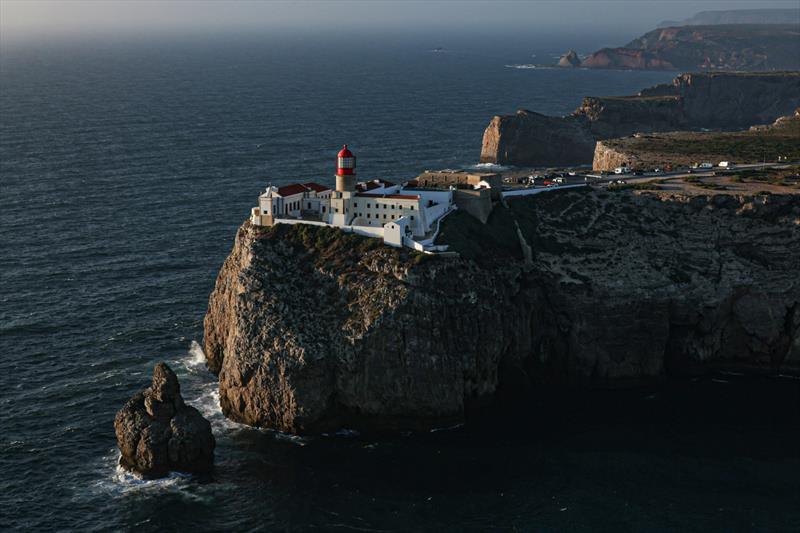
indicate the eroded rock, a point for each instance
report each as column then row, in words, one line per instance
column 158, row 433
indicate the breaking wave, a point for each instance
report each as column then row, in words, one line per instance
column 197, row 357
column 489, row 166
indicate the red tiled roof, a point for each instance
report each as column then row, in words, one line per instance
column 294, row 188
column 373, row 184
column 394, row 196
column 316, row 186
column 368, row 186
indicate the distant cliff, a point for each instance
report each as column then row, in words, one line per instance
column 692, row 101
column 311, row 329
column 738, row 16
column 724, row 47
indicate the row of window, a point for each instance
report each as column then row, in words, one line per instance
column 291, row 206
column 385, row 206
column 378, row 216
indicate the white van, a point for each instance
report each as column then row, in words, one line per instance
column 726, row 164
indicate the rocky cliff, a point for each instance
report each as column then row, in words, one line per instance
column 738, row 16
column 692, row 101
column 311, row 329
column 716, row 47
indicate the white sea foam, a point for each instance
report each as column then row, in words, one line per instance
column 196, row 357
column 116, row 481
column 449, row 428
column 525, row 66
column 489, row 166
column 344, row 432
column 288, row 437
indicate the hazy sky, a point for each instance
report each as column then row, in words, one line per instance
column 31, row 18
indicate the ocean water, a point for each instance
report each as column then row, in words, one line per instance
column 126, row 166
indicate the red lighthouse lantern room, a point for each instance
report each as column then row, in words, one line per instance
column 345, row 163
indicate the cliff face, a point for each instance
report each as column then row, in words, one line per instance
column 717, row 47
column 311, row 329
column 536, row 139
column 691, row 101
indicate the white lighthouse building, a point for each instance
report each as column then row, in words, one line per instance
column 375, row 208
column 341, row 198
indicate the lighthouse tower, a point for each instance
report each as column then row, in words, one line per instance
column 341, row 213
column 345, row 170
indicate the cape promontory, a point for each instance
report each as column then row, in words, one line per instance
column 312, row 329
column 724, row 101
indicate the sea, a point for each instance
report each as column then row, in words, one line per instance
column 127, row 162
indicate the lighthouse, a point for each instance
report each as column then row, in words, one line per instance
column 341, row 213
column 345, row 170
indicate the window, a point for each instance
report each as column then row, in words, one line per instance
column 337, row 209
column 392, row 217
column 368, row 206
column 323, row 208
column 412, row 208
column 309, row 205
column 355, row 204
column 384, row 215
column 368, row 215
column 412, row 217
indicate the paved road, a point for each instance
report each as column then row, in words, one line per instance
column 700, row 173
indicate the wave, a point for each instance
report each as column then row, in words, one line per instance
column 197, row 357
column 288, row 437
column 489, row 166
column 531, row 66
column 122, row 482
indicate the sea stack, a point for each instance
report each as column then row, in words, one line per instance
column 570, row 59
column 158, row 433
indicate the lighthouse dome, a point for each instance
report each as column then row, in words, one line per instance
column 345, row 162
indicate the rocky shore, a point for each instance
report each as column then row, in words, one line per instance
column 725, row 101
column 311, row 329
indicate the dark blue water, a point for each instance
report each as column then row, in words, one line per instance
column 126, row 167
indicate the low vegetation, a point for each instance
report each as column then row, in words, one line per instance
column 767, row 143
column 641, row 186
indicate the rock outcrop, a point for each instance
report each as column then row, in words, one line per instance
column 312, row 329
column 692, row 101
column 570, row 59
column 158, row 433
column 717, row 47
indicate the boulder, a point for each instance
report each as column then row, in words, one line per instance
column 570, row 59
column 158, row 433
